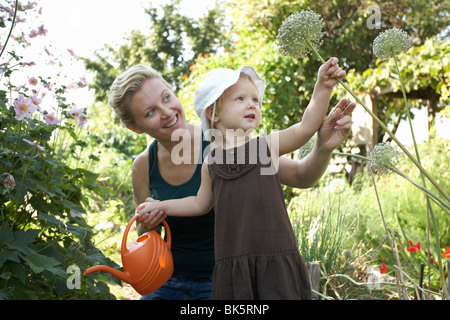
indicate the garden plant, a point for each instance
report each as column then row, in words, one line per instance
column 45, row 241
column 301, row 34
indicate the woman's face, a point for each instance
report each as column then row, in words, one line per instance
column 156, row 110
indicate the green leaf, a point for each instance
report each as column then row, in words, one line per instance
column 39, row 263
column 19, row 271
column 27, row 236
column 73, row 206
column 7, row 254
column 51, row 220
column 22, row 238
column 6, row 234
column 17, row 245
column 79, row 232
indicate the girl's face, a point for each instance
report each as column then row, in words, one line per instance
column 156, row 110
column 240, row 107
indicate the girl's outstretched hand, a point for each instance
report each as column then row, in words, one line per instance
column 149, row 217
column 329, row 73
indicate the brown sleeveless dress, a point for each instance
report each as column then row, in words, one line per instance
column 256, row 254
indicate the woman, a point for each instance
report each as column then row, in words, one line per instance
column 145, row 103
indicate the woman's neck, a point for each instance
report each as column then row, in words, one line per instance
column 183, row 142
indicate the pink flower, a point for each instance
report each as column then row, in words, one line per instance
column 34, row 143
column 82, row 120
column 32, row 63
column 76, row 214
column 7, row 9
column 17, row 89
column 72, row 53
column 73, row 86
column 36, row 100
column 42, row 31
column 47, row 51
column 51, row 119
column 76, row 112
column 82, row 82
column 48, row 86
column 33, row 81
column 33, row 34
column 24, row 107
column 8, row 181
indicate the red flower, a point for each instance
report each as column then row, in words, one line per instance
column 413, row 248
column 447, row 254
column 383, row 268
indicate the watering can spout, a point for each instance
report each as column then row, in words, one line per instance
column 124, row 276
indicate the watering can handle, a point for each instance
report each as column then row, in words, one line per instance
column 127, row 229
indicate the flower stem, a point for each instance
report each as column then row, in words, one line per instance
column 441, row 203
column 418, row 165
column 12, row 27
column 427, row 192
column 430, row 210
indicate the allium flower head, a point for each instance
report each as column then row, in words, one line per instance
column 383, row 158
column 390, row 43
column 296, row 30
column 348, row 254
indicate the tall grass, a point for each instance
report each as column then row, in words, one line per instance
column 324, row 224
column 328, row 222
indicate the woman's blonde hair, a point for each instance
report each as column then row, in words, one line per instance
column 126, row 85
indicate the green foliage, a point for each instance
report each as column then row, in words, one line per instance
column 41, row 234
column 346, row 23
column 45, row 242
column 173, row 42
column 256, row 25
column 247, row 35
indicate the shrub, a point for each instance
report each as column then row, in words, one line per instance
column 45, row 242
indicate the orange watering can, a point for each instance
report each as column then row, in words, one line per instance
column 147, row 261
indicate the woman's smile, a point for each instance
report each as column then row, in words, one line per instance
column 173, row 122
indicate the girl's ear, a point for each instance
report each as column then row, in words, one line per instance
column 209, row 114
column 134, row 129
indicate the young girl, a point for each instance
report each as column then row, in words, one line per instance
column 256, row 254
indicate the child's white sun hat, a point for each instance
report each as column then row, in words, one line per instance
column 215, row 83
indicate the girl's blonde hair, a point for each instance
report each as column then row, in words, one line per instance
column 126, row 85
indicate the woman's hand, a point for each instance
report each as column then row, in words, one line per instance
column 336, row 127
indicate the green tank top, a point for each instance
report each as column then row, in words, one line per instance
column 192, row 237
